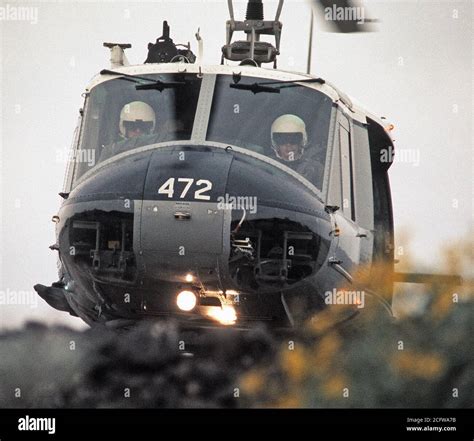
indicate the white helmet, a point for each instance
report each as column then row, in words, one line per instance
column 289, row 129
column 136, row 112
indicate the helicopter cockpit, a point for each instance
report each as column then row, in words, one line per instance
column 174, row 110
column 236, row 115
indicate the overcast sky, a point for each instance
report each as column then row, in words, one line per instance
column 417, row 71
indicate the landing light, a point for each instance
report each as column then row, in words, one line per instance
column 225, row 315
column 189, row 278
column 231, row 292
column 186, row 300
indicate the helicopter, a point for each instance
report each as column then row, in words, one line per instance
column 220, row 195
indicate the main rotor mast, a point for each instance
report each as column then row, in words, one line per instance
column 252, row 50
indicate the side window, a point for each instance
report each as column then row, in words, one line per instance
column 87, row 151
column 69, row 175
column 345, row 155
column 383, row 224
column 380, row 143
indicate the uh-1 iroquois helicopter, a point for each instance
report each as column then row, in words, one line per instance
column 220, row 194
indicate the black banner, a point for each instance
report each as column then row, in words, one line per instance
column 237, row 424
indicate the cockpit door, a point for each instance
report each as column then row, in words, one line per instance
column 339, row 189
column 345, row 155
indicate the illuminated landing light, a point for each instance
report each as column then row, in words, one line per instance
column 189, row 278
column 225, row 315
column 231, row 292
column 186, row 300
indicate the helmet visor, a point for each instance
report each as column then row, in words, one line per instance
column 288, row 138
column 143, row 126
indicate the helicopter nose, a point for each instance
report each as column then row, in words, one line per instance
column 194, row 198
column 184, row 201
column 180, row 218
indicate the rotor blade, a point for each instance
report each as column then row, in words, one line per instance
column 345, row 16
column 441, row 279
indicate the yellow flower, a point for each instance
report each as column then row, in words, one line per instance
column 325, row 351
column 252, row 382
column 442, row 305
column 333, row 386
column 418, row 365
column 290, row 400
column 295, row 363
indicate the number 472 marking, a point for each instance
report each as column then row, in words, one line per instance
column 168, row 188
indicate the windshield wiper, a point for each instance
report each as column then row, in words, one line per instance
column 154, row 84
column 267, row 86
column 255, row 88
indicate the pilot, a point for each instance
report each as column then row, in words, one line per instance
column 289, row 141
column 136, row 119
column 136, row 127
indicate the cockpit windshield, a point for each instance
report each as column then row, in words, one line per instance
column 118, row 117
column 287, row 122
